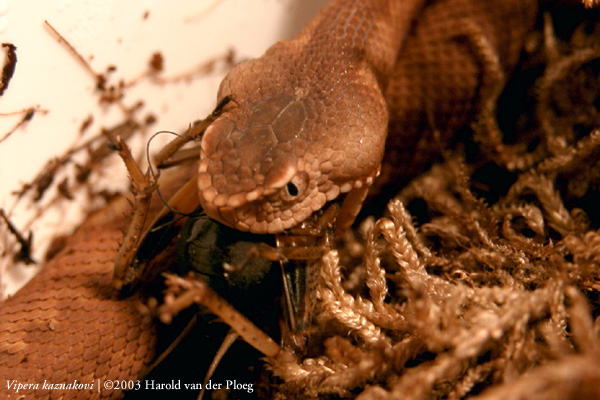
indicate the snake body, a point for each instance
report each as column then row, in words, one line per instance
column 308, row 123
column 69, row 326
column 311, row 116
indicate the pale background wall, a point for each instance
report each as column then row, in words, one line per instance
column 115, row 32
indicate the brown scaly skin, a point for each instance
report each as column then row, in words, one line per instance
column 457, row 38
column 68, row 323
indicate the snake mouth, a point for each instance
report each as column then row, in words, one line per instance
column 252, row 211
column 262, row 210
column 264, row 215
column 246, row 218
column 269, row 203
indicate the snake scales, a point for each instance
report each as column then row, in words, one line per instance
column 358, row 67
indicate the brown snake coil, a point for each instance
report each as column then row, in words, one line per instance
column 426, row 63
column 68, row 323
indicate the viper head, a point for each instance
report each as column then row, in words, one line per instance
column 287, row 146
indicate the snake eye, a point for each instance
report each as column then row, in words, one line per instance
column 295, row 187
column 292, row 189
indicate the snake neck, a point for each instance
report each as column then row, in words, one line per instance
column 372, row 31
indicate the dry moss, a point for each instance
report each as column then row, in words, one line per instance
column 483, row 277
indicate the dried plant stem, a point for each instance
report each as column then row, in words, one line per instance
column 196, row 291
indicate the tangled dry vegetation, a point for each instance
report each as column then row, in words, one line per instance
column 484, row 277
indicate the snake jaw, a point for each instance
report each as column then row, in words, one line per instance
column 262, row 210
column 279, row 199
column 246, row 218
column 278, row 207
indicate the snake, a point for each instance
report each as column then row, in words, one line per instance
column 313, row 113
column 333, row 113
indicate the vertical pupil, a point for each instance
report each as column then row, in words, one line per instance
column 292, row 189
